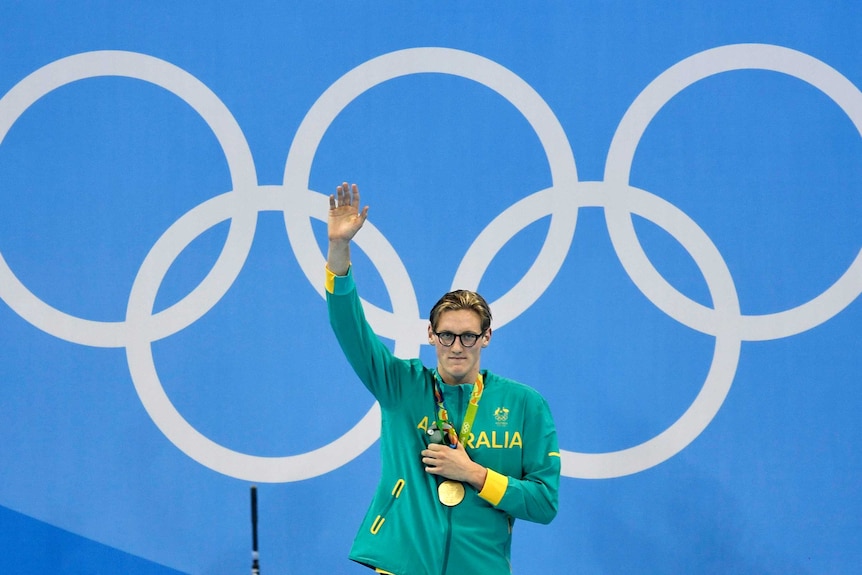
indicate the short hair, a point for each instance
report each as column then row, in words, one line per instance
column 461, row 299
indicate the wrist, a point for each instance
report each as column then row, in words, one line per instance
column 338, row 258
column 478, row 477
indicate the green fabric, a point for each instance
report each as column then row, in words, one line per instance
column 415, row 533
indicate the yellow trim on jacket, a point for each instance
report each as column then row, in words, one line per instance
column 494, row 488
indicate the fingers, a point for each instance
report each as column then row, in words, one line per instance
column 337, row 199
column 345, row 195
column 431, row 463
column 342, row 197
column 430, row 457
column 355, row 193
column 442, row 460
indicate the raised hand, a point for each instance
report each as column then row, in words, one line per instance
column 345, row 219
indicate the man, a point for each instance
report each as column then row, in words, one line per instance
column 464, row 451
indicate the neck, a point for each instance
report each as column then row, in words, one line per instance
column 448, row 380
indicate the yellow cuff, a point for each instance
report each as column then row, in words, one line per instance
column 494, row 488
column 330, row 281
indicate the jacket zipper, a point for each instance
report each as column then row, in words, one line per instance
column 448, row 540
column 448, row 545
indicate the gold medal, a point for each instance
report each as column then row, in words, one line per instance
column 450, row 493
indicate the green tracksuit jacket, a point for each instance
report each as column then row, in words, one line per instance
column 406, row 530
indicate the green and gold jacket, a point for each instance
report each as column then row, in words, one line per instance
column 407, row 531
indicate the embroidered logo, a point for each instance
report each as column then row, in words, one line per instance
column 501, row 414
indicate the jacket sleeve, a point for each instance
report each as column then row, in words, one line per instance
column 377, row 368
column 534, row 495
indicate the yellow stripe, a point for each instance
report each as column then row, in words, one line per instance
column 384, row 572
column 378, row 523
column 399, row 485
column 554, row 454
column 494, row 488
column 330, row 281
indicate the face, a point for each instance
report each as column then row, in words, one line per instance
column 456, row 363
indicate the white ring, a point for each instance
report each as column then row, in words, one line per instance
column 727, row 346
column 163, row 413
column 720, row 377
column 417, row 61
column 621, row 154
column 238, row 155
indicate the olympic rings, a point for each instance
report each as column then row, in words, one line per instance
column 404, row 325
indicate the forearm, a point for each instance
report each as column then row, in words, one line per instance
column 529, row 490
column 370, row 359
column 338, row 257
column 476, row 476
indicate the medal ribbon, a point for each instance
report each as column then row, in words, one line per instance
column 443, row 422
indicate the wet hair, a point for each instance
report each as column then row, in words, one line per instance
column 461, row 299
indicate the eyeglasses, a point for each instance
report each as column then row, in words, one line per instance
column 447, row 338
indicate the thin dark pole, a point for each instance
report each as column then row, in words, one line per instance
column 255, row 566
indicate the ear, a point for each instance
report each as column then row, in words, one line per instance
column 486, row 339
column 430, row 334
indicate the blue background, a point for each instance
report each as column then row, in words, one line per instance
column 93, row 173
